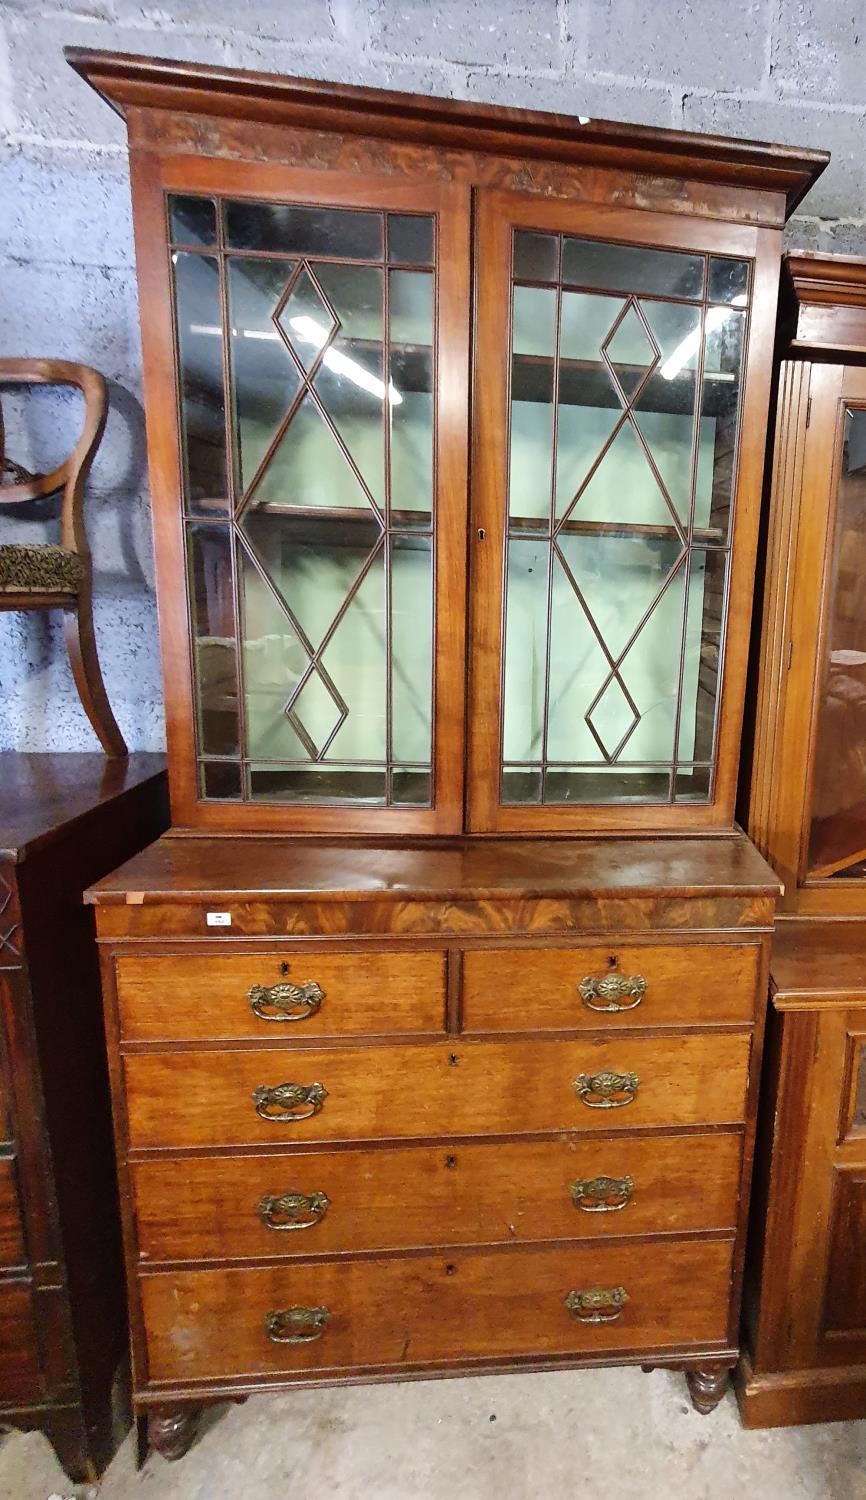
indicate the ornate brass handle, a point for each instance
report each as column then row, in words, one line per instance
column 296, row 1325
column 293, row 1210
column 289, row 1101
column 611, row 990
column 606, row 1090
column 597, row 1304
column 285, row 1002
column 602, row 1195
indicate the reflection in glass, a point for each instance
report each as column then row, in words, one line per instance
column 192, row 220
column 410, row 310
column 614, row 607
column 410, row 788
column 202, row 403
column 212, row 604
column 632, row 269
column 729, row 281
column 410, row 239
column 412, row 648
column 837, row 840
column 292, row 229
column 358, row 785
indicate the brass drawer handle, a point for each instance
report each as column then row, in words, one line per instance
column 611, row 990
column 597, row 1304
column 296, row 1325
column 286, row 1102
column 285, row 1002
column 293, row 1210
column 606, row 1090
column 601, row 1195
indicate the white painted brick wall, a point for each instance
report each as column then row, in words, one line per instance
column 788, row 70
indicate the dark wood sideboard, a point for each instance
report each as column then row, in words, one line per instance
column 65, row 820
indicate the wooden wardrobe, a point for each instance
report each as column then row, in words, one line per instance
column 436, row 1021
column 805, row 1359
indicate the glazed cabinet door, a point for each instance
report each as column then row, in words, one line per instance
column 808, row 798
column 621, row 388
column 306, row 339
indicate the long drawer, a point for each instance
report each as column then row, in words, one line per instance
column 244, row 1097
column 356, row 1314
column 304, row 992
column 532, row 989
column 303, row 1203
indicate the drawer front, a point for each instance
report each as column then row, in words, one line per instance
column 532, row 989
column 205, row 997
column 249, row 1097
column 306, row 1203
column 203, row 1324
column 20, row 1378
column 12, row 1252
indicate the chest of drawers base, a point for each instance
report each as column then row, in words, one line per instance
column 455, row 1129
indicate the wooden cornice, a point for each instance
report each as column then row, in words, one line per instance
column 823, row 298
column 126, row 81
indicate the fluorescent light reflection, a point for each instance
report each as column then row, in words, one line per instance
column 715, row 319
column 311, row 332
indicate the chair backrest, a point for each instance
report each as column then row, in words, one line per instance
column 72, row 473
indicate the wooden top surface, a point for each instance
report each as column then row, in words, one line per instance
column 41, row 795
column 125, row 80
column 811, row 958
column 186, row 868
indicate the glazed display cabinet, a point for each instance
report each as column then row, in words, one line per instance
column 455, row 426
column 806, row 1329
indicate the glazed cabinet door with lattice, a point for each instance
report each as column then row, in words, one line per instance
column 320, row 354
column 616, row 483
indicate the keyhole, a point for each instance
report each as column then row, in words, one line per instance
column 451, row 1161
column 481, row 533
column 284, row 968
column 452, row 1059
column 449, row 1269
column 612, row 961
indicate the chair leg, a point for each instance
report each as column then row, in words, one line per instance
column 81, row 646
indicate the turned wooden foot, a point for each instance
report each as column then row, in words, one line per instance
column 647, row 1369
column 171, row 1432
column 707, row 1386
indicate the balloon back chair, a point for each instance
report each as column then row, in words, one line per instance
column 41, row 575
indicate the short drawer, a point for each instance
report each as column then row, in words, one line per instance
column 20, row 1375
column 532, row 989
column 12, row 1251
column 302, row 992
column 401, row 1313
column 244, row 1097
column 307, row 1203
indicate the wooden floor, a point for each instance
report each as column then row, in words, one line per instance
column 614, row 1433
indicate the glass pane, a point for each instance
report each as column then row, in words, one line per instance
column 535, row 256
column 275, row 662
column 192, row 221
column 297, row 230
column 305, row 318
column 358, row 785
column 858, row 1116
column 411, row 788
column 350, row 381
column 520, row 785
column 221, row 780
column 665, row 407
column 412, row 648
column 632, row 268
column 590, row 406
column 213, row 619
column 720, row 405
column 533, row 341
column 693, row 783
column 606, row 784
column 705, row 615
column 356, row 660
column 411, row 405
column 837, row 843
column 309, row 467
column 202, row 402
column 410, row 239
column 265, row 377
column 525, row 650
column 729, row 281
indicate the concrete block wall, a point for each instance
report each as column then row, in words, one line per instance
column 786, row 70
